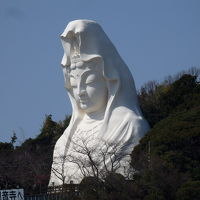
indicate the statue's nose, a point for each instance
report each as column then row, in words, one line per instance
column 81, row 93
column 64, row 61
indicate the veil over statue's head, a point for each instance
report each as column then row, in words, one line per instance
column 101, row 90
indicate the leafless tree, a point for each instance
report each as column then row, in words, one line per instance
column 58, row 168
column 92, row 159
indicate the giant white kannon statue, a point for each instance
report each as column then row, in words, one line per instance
column 104, row 103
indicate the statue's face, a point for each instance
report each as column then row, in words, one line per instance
column 88, row 86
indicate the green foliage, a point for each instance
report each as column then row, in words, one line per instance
column 167, row 160
column 114, row 187
column 189, row 190
column 6, row 147
column 91, row 188
column 48, row 128
column 157, row 101
column 175, row 139
column 29, row 165
column 117, row 188
column 13, row 138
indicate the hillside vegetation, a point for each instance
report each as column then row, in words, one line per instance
column 167, row 160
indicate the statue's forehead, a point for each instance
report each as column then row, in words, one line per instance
column 80, row 68
column 79, row 72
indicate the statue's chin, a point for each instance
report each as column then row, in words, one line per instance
column 91, row 109
column 84, row 106
column 87, row 108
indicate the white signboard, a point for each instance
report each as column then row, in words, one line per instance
column 12, row 194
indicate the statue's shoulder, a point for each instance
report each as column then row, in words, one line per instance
column 61, row 141
column 129, row 118
column 127, row 115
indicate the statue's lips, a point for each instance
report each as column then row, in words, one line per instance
column 83, row 100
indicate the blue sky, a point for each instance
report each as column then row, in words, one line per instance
column 156, row 38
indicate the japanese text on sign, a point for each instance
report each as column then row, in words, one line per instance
column 13, row 194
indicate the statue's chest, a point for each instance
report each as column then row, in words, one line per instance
column 85, row 139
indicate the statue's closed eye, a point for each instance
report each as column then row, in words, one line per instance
column 90, row 79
